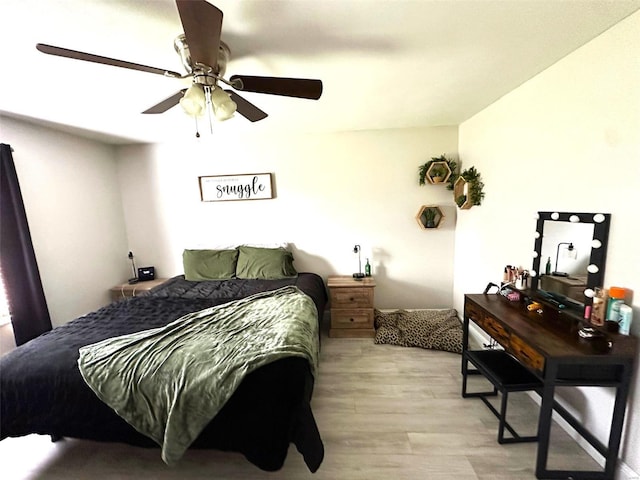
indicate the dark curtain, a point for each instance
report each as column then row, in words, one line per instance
column 28, row 307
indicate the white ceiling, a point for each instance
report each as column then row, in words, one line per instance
column 383, row 63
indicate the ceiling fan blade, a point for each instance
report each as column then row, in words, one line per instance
column 289, row 87
column 246, row 108
column 167, row 103
column 202, row 24
column 89, row 57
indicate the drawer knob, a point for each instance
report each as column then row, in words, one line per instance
column 351, row 299
column 351, row 320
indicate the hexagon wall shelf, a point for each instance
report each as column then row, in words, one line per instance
column 461, row 189
column 424, row 217
column 438, row 173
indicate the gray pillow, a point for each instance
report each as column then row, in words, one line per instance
column 264, row 263
column 202, row 265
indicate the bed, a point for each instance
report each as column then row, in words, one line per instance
column 42, row 390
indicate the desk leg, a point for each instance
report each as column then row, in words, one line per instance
column 465, row 344
column 617, row 422
column 544, row 421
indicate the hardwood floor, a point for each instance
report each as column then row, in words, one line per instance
column 384, row 412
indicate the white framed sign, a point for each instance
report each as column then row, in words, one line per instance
column 221, row 188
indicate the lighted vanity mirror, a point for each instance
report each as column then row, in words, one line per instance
column 569, row 255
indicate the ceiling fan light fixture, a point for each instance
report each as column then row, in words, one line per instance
column 193, row 102
column 223, row 106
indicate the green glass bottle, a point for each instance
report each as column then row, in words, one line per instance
column 367, row 269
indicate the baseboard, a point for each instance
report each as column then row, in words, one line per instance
column 623, row 471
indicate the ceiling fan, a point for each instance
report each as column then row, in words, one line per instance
column 204, row 57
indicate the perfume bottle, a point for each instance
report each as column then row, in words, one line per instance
column 598, row 307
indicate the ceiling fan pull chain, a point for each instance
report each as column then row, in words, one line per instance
column 209, row 106
column 197, row 132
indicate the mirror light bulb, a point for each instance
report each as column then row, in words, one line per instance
column 596, row 243
column 598, row 218
column 537, row 235
column 593, row 268
column 589, row 293
column 533, row 273
column 574, row 219
column 535, row 254
column 555, row 216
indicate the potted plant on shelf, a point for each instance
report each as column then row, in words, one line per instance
column 461, row 200
column 430, row 217
column 438, row 173
column 427, row 176
column 468, row 189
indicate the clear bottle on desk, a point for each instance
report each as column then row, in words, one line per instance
column 599, row 307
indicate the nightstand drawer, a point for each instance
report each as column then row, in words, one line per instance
column 352, row 318
column 352, row 298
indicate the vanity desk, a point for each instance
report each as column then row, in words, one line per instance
column 549, row 346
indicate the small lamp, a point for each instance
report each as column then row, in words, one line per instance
column 571, row 248
column 359, row 275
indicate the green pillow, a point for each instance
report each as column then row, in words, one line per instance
column 209, row 264
column 264, row 263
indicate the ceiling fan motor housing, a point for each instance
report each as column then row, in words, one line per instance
column 202, row 73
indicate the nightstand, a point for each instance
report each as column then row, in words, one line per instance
column 351, row 306
column 127, row 290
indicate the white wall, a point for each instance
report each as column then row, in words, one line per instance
column 333, row 191
column 567, row 140
column 70, row 189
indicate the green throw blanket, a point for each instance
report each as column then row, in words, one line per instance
column 170, row 382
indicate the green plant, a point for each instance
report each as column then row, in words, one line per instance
column 438, row 171
column 460, row 200
column 453, row 166
column 475, row 192
column 429, row 214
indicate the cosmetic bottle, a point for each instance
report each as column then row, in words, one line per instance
column 598, row 307
column 625, row 317
column 616, row 298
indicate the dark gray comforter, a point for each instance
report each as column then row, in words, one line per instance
column 42, row 391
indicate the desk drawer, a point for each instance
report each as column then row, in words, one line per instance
column 527, row 355
column 351, row 298
column 472, row 311
column 496, row 330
